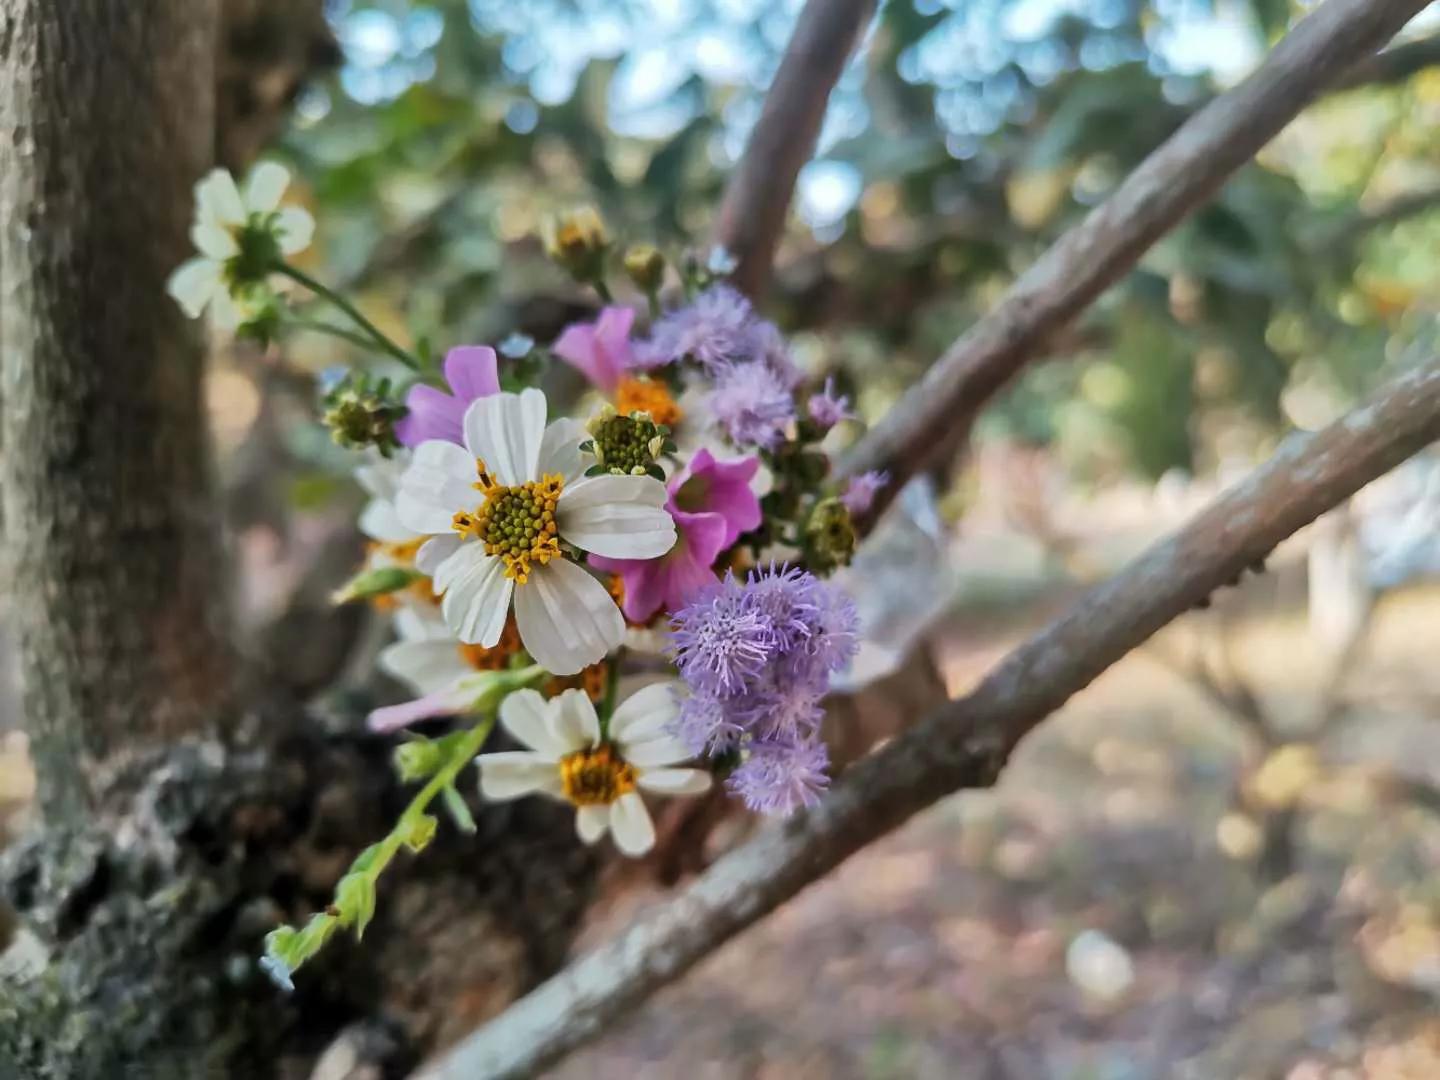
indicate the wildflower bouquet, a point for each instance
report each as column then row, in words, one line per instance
column 529, row 559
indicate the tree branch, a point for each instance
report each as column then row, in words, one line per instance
column 752, row 213
column 1393, row 65
column 934, row 417
column 965, row 743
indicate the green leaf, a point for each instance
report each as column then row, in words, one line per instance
column 459, row 811
column 365, row 861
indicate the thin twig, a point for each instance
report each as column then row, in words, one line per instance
column 965, row 743
column 934, row 418
column 1395, row 64
column 757, row 198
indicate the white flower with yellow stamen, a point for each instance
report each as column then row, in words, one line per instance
column 601, row 778
column 498, row 509
column 239, row 238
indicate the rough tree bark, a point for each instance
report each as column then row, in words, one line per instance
column 182, row 819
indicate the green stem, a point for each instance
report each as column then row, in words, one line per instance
column 318, row 327
column 603, row 290
column 655, row 310
column 324, row 291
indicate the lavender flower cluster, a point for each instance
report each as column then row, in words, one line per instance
column 757, row 657
column 752, row 377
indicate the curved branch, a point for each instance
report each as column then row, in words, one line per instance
column 965, row 743
column 757, row 198
column 934, row 417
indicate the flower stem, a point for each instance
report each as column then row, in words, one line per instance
column 376, row 335
column 604, row 290
column 318, row 327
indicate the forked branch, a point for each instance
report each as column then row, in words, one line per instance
column 935, row 416
column 965, row 743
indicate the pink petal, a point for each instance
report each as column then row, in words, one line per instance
column 444, row 702
column 433, row 414
column 472, row 372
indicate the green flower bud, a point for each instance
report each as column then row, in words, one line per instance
column 359, row 414
column 645, row 266
column 368, row 584
column 829, row 535
column 421, row 831
column 577, row 241
column 624, row 445
column 417, row 759
column 355, row 900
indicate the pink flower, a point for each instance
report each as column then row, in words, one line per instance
column 471, row 372
column 600, row 350
column 712, row 505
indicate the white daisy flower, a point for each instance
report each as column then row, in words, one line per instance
column 238, row 237
column 499, row 508
column 446, row 676
column 392, row 544
column 601, row 778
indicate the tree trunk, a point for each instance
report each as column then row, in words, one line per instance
column 106, row 122
column 172, row 836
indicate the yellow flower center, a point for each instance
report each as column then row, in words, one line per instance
column 596, row 777
column 516, row 523
column 497, row 657
column 402, row 554
column 648, row 396
column 594, row 680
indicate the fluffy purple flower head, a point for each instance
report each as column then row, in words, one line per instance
column 828, row 408
column 785, row 595
column 718, row 327
column 789, row 712
column 832, row 640
column 706, row 725
column 781, row 777
column 720, row 641
column 860, row 493
column 751, row 404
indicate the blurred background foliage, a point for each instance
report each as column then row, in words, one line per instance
column 966, row 136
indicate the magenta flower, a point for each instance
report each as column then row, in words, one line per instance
column 600, row 350
column 712, row 505
column 471, row 372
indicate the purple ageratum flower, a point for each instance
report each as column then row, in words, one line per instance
column 717, row 327
column 751, row 404
column 471, row 371
column 711, row 504
column 785, row 595
column 828, row 408
column 860, row 492
column 789, row 712
column 833, row 638
column 780, row 777
column 601, row 351
column 705, row 725
column 719, row 641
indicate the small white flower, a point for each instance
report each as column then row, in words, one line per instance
column 601, row 778
column 392, row 544
column 234, row 234
column 497, row 510
column 446, row 676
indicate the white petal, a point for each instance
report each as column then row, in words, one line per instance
column 424, row 666
column 573, row 720
column 560, row 450
column 658, row 750
column 435, row 551
column 380, row 476
column 675, row 781
column 646, row 712
column 379, row 521
column 217, row 199
column 505, row 432
column 213, row 241
column 526, row 715
column 423, row 624
column 631, row 825
column 266, row 185
column 591, row 822
column 439, row 482
column 194, row 284
column 294, row 229
column 567, row 619
column 224, row 312
column 477, row 595
column 620, row 517
column 513, row 773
